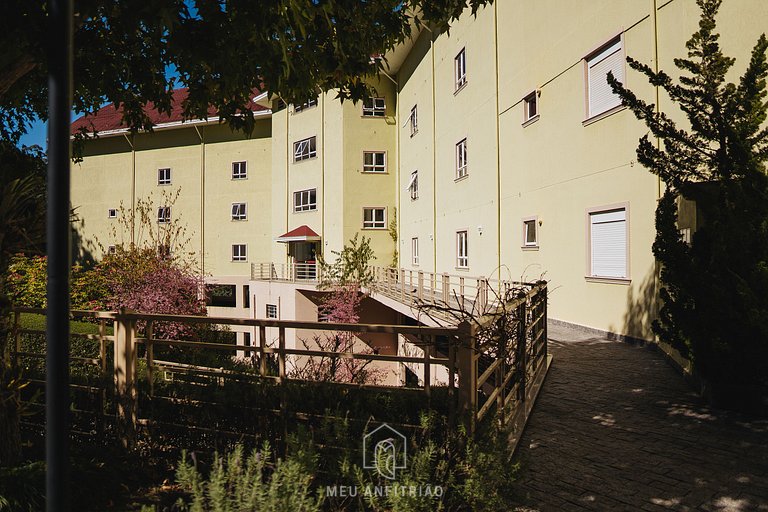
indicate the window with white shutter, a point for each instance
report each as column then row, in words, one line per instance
column 600, row 96
column 608, row 243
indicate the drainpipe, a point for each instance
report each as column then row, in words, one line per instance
column 202, row 200
column 434, row 153
column 397, row 169
column 322, row 176
column 287, row 183
column 498, row 145
column 656, row 69
column 131, row 142
column 657, row 266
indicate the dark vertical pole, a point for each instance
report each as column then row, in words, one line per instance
column 58, row 248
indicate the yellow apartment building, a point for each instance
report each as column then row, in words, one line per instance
column 499, row 146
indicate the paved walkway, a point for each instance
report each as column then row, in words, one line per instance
column 616, row 428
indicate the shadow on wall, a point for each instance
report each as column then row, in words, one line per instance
column 642, row 308
column 82, row 249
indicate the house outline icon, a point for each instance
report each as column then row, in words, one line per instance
column 388, row 437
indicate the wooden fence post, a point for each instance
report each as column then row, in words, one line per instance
column 150, row 355
column 16, row 338
column 125, row 377
column 420, row 288
column 104, row 372
column 482, row 292
column 428, row 366
column 452, row 341
column 467, row 363
column 520, row 347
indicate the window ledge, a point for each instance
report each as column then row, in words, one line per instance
column 374, row 229
column 460, row 88
column 462, row 178
column 463, row 269
column 603, row 115
column 530, row 247
column 374, row 172
column 608, row 280
column 238, row 179
column 305, row 211
column 530, row 121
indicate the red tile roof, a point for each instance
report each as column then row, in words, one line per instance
column 110, row 118
column 301, row 232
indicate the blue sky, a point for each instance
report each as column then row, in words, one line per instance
column 36, row 135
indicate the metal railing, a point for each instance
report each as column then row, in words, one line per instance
column 287, row 272
column 474, row 295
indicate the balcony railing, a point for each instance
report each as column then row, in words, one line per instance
column 286, row 272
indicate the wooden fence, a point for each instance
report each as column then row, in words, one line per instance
column 483, row 375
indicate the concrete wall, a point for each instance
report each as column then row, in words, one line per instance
column 119, row 171
column 556, row 168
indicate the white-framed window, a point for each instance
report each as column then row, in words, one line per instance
column 374, row 218
column 312, row 102
column 600, row 96
column 461, row 159
column 164, row 215
column 415, row 251
column 460, row 68
column 304, row 149
column 272, row 311
column 239, row 211
column 111, row 249
column 413, row 120
column 531, row 106
column 413, row 185
column 374, row 107
column 112, row 213
column 608, row 243
column 164, row 176
column 374, row 161
column 530, row 232
column 305, row 200
column 239, row 252
column 239, row 170
column 462, row 249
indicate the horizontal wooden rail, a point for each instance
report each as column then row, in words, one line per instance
column 484, row 371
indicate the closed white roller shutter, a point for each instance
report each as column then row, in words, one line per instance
column 601, row 97
column 609, row 243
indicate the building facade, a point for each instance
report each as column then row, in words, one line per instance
column 496, row 150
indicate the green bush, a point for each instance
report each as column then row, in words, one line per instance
column 22, row 488
column 239, row 484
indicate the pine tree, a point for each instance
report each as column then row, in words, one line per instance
column 715, row 290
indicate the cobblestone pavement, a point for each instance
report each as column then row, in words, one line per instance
column 616, row 428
